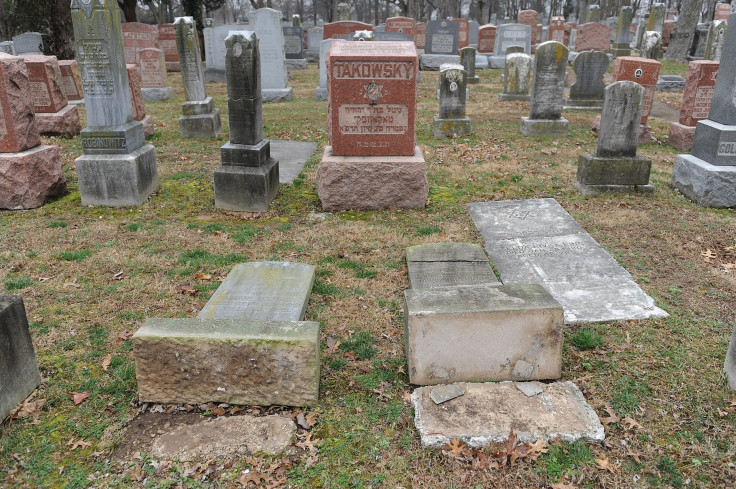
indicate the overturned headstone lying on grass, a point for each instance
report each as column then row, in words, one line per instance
column 486, row 413
column 615, row 167
column 537, row 241
column 448, row 265
column 248, row 345
column 19, row 373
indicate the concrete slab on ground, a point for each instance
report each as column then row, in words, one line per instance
column 487, row 412
column 292, row 156
column 537, row 241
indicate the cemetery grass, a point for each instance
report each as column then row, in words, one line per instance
column 90, row 277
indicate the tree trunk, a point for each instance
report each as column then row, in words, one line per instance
column 128, row 8
column 682, row 34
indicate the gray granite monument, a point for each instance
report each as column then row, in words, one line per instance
column 452, row 121
column 545, row 118
column 715, row 39
column 615, row 167
column 117, row 167
column 200, row 118
column 441, row 45
column 621, row 44
column 587, row 91
column 248, row 178
column 508, row 35
column 266, row 24
column 28, row 43
column 517, row 77
column 467, row 59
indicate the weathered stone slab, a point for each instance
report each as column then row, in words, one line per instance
column 729, row 367
column 18, row 129
column 225, row 438
column 517, row 77
column 487, row 412
column 262, row 290
column 481, row 333
column 292, row 156
column 29, row 178
column 447, row 265
column 670, row 83
column 28, row 43
column 221, row 360
column 537, row 241
column 705, row 184
column 19, row 373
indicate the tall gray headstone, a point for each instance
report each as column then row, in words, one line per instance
column 343, row 11
column 200, row 118
column 452, row 121
column 315, row 35
column 248, row 178
column 545, row 118
column 615, row 166
column 320, row 93
column 266, row 24
column 442, row 37
column 517, row 77
column 508, row 35
column 214, row 49
column 473, row 32
column 656, row 17
column 19, row 373
column 467, row 59
column 587, row 91
column 28, row 43
column 621, row 44
column 7, row 47
column 293, row 42
column 708, row 175
column 715, row 39
column 117, row 167
column 594, row 13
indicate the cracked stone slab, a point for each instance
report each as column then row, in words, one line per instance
column 488, row 411
column 225, row 438
column 448, row 265
column 444, row 393
column 537, row 241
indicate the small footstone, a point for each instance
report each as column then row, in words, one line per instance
column 488, row 412
column 226, row 438
column 448, row 265
column 729, row 367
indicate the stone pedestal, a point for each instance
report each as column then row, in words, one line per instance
column 432, row 62
column 320, row 93
column 681, row 136
column 117, row 180
column 705, row 184
column 29, row 178
column 579, row 104
column 544, row 127
column 621, row 50
column 277, row 94
column 248, row 179
column 200, row 120
column 157, row 94
column 450, row 128
column 64, row 123
column 372, row 182
column 598, row 175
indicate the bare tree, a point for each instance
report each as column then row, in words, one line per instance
column 682, row 34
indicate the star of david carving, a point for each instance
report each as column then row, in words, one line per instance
column 518, row 214
column 373, row 91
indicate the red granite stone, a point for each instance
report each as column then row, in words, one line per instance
column 593, row 35
column 698, row 93
column 405, row 25
column 372, row 98
column 153, row 68
column 64, row 123
column 44, row 81
column 464, row 39
column 138, row 36
column 667, row 31
column 530, row 18
column 681, row 137
column 18, row 130
column 338, row 30
column 29, row 178
column 420, row 35
column 167, row 42
column 557, row 29
column 71, row 81
column 134, row 80
column 723, row 10
column 486, row 38
column 643, row 71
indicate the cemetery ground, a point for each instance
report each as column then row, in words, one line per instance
column 90, row 276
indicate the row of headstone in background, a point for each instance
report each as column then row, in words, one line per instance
column 141, row 47
column 54, row 115
column 696, row 101
column 30, row 173
column 517, row 76
column 545, row 118
column 452, row 121
column 510, row 35
column 136, row 99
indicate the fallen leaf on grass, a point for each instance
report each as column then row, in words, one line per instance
column 604, row 464
column 307, row 422
column 125, row 335
column 218, row 411
column 106, row 361
column 332, row 344
column 76, row 444
column 634, row 455
column 733, row 401
column 79, row 397
column 612, row 416
column 28, row 408
column 631, row 425
column 308, row 443
column 561, row 485
column 187, row 289
column 203, row 276
column 118, row 276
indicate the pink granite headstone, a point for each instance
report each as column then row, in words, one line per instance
column 593, row 35
column 44, row 77
column 137, row 36
column 486, row 38
column 71, row 81
column 464, row 38
column 153, row 68
column 420, row 35
column 339, row 29
column 556, row 30
column 167, row 42
column 696, row 101
column 405, row 25
column 723, row 11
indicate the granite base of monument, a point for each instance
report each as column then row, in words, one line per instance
column 670, row 83
column 76, row 102
column 296, row 64
column 157, row 94
column 681, row 136
column 597, row 175
column 497, row 61
column 481, row 62
column 117, row 180
column 544, row 127
column 507, row 97
column 64, row 123
column 432, row 62
column 148, row 127
column 705, row 184
column 579, row 104
column 29, row 178
column 716, row 143
column 472, row 79
column 277, row 94
column 200, row 119
column 214, row 75
column 19, row 373
column 620, row 50
column 246, row 188
column 320, row 93
column 450, row 128
column 173, row 66
column 372, row 182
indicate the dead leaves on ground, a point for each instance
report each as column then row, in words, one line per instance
column 78, row 397
column 498, row 455
column 721, row 257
